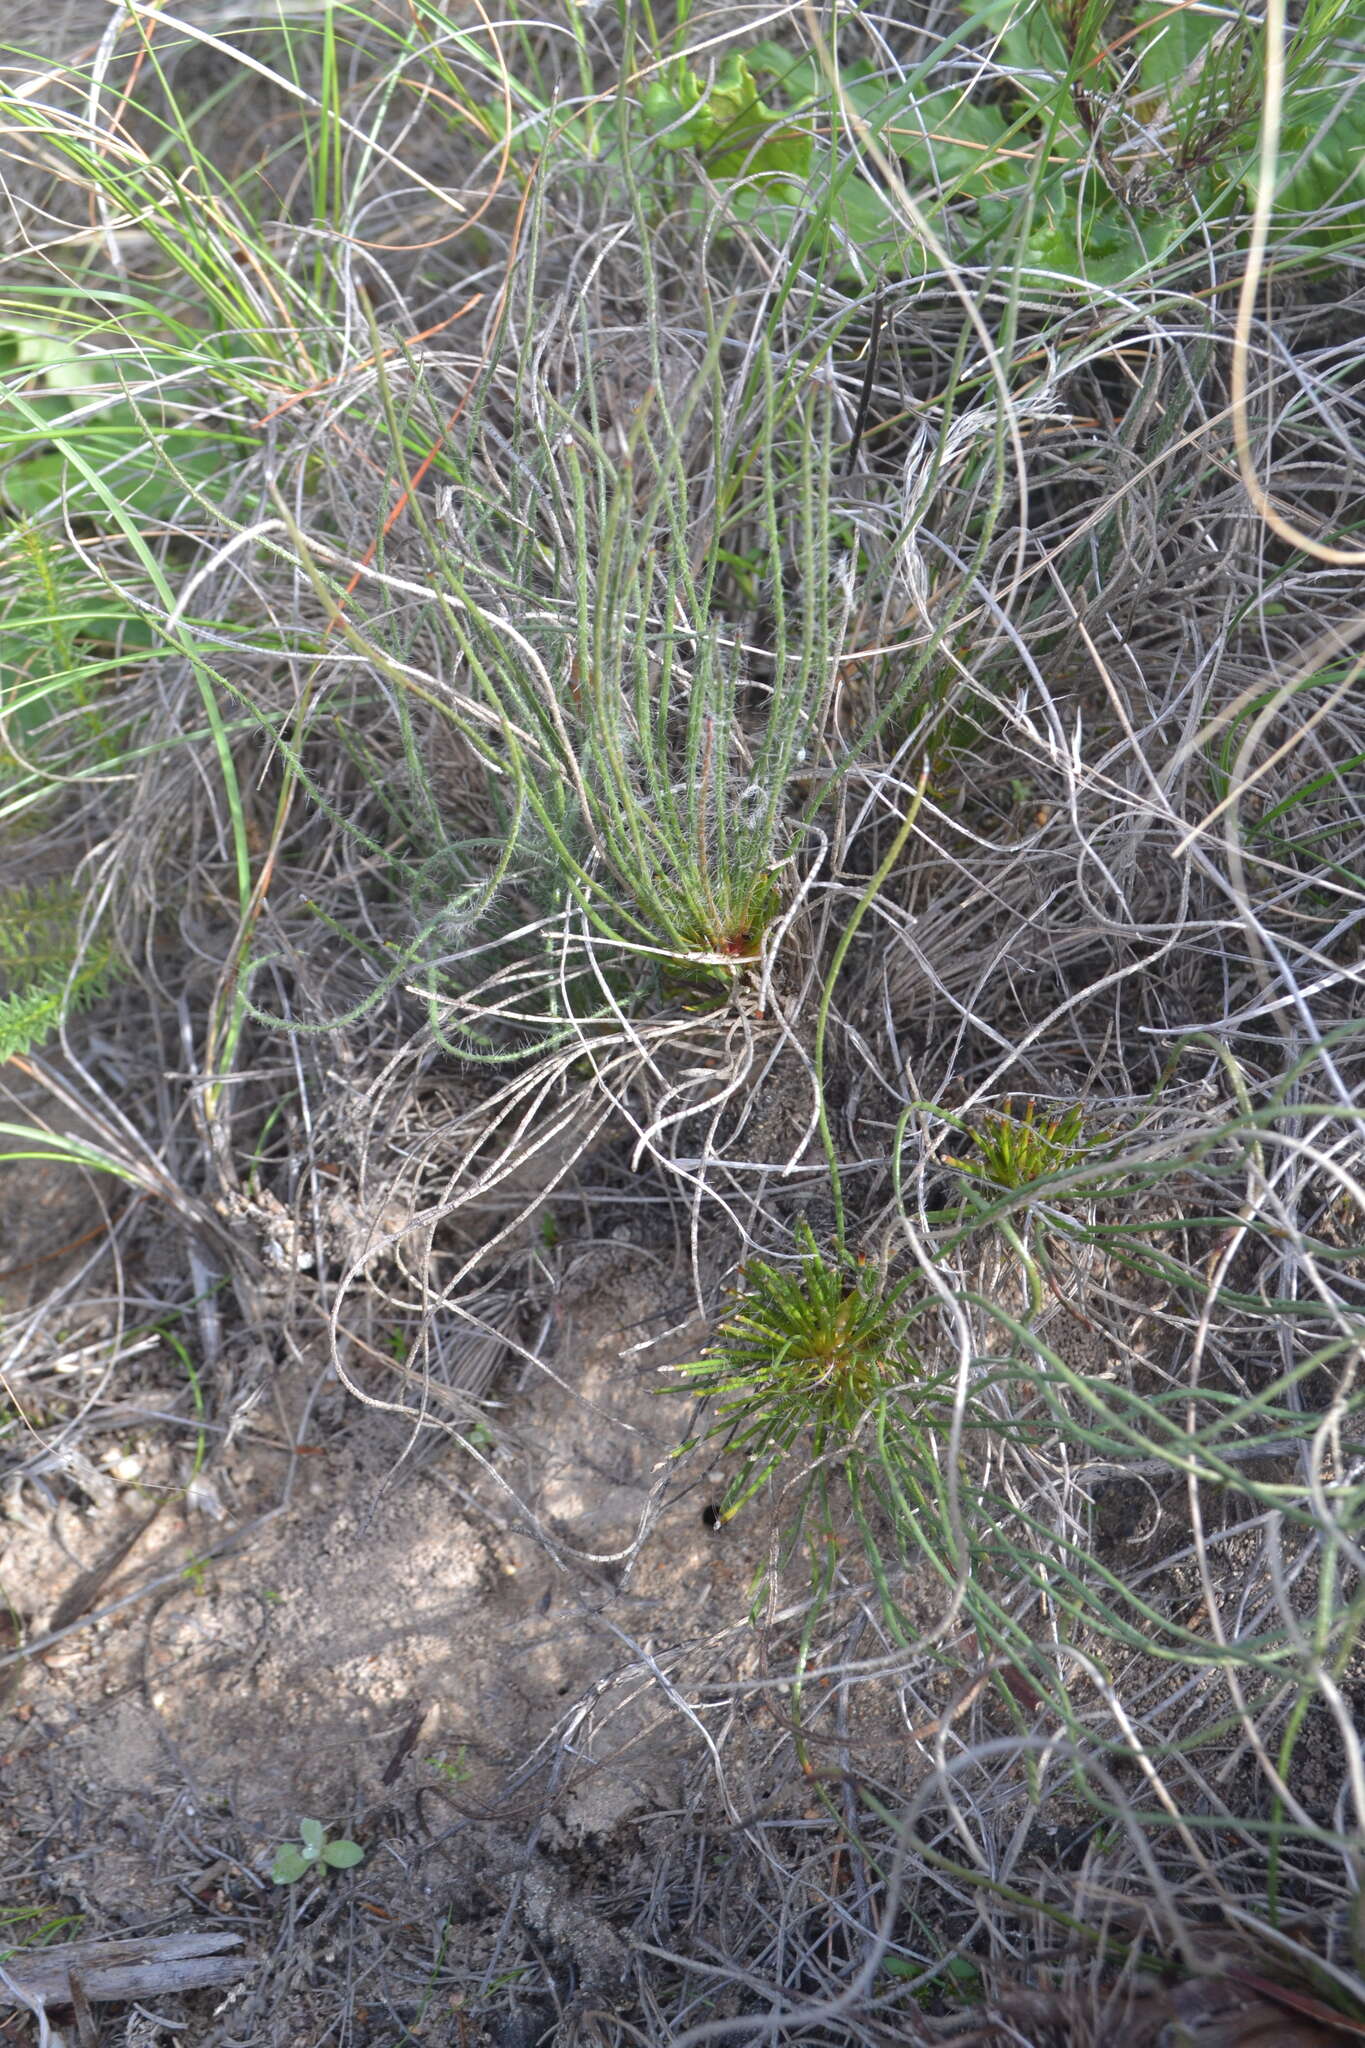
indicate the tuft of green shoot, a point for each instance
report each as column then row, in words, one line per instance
column 804, row 1354
column 47, row 969
column 1012, row 1151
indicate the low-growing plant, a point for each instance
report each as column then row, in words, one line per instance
column 455, row 1769
column 637, row 758
column 314, row 1851
column 1092, row 143
column 733, row 132
column 46, row 970
column 1013, row 1150
column 64, row 636
column 1092, row 148
column 802, row 1356
column 124, row 411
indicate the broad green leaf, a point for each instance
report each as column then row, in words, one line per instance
column 1172, row 39
column 343, row 1855
column 289, row 1865
column 669, row 105
column 730, row 127
column 142, row 471
column 79, row 395
column 1327, row 174
column 1024, row 36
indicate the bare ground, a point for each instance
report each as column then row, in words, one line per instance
column 342, row 1623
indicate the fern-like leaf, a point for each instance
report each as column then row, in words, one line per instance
column 47, row 972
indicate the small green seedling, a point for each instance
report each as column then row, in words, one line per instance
column 455, row 1769
column 313, row 1851
column 1011, row 1150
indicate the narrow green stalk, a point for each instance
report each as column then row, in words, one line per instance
column 846, row 938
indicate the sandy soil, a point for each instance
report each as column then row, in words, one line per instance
column 368, row 1632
